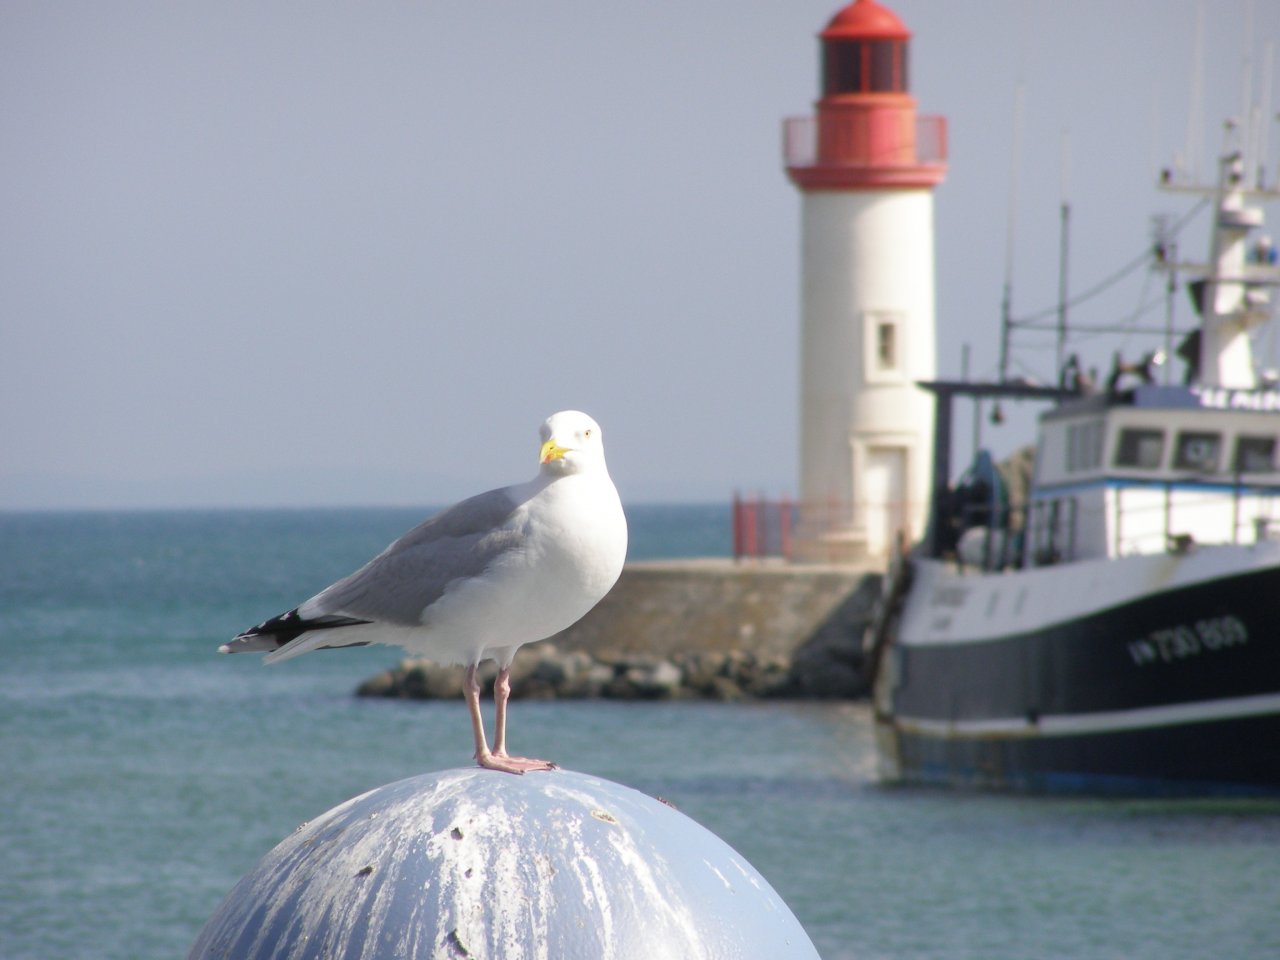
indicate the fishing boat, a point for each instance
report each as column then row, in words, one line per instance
column 1103, row 614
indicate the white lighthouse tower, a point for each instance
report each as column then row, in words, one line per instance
column 866, row 167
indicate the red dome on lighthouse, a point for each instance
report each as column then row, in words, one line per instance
column 865, row 20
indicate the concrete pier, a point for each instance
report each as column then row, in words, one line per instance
column 765, row 608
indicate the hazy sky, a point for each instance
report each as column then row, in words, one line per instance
column 319, row 253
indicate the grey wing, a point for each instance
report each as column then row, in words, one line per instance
column 401, row 582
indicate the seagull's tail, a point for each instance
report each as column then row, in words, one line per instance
column 250, row 643
column 289, row 635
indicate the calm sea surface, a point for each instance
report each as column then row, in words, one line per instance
column 141, row 774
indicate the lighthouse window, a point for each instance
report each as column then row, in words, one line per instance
column 859, row 66
column 1255, row 455
column 842, row 67
column 1140, row 448
column 887, row 345
column 888, row 65
column 884, row 346
column 1197, row 451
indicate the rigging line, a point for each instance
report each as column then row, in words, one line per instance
column 1028, row 372
column 1126, row 324
column 1092, row 291
column 1115, row 331
column 1113, row 278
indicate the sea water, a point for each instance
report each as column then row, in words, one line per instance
column 141, row 774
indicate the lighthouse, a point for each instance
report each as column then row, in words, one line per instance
column 866, row 166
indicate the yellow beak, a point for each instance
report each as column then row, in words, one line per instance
column 552, row 451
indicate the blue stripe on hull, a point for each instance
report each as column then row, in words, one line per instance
column 1236, row 757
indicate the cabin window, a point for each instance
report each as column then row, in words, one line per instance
column 1255, row 455
column 1084, row 446
column 1197, row 451
column 1139, row 448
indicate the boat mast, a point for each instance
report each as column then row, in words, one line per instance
column 1006, row 299
column 1064, row 246
column 1233, row 295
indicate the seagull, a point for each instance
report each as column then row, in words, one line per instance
column 480, row 579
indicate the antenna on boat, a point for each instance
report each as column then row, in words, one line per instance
column 1165, row 251
column 1195, row 109
column 1262, row 143
column 1006, row 300
column 1064, row 244
column 977, row 402
column 1248, row 109
column 1263, row 118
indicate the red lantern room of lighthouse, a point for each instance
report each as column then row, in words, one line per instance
column 866, row 166
column 866, row 133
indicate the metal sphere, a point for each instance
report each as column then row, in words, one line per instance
column 473, row 863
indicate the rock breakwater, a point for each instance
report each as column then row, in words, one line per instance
column 543, row 672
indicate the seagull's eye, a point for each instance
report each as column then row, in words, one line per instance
column 586, row 433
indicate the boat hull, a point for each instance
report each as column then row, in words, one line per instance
column 1226, row 757
column 1173, row 689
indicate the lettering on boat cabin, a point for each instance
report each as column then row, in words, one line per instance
column 944, row 600
column 1170, row 644
column 1221, row 398
column 949, row 595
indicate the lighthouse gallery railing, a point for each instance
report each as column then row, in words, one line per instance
column 800, row 140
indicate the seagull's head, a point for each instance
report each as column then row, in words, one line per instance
column 571, row 443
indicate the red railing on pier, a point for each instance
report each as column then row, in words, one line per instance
column 818, row 532
column 762, row 528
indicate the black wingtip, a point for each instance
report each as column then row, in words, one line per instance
column 277, row 632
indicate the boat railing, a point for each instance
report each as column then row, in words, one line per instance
column 1146, row 519
column 1054, row 526
column 1143, row 518
column 990, row 538
column 1170, row 518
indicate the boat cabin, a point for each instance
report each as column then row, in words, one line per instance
column 1148, row 469
column 1153, row 470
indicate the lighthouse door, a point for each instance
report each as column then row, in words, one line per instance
column 884, row 482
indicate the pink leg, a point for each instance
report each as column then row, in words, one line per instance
column 501, row 693
column 495, row 759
